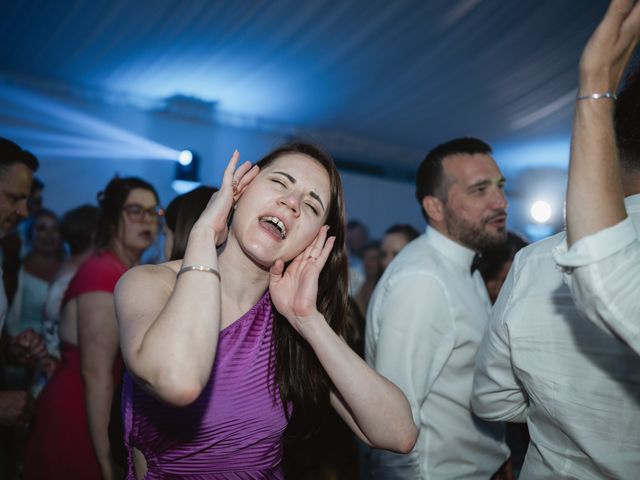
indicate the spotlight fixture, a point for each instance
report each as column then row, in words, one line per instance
column 185, row 157
column 187, row 176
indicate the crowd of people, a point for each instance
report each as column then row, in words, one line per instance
column 276, row 340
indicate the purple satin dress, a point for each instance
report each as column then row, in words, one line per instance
column 232, row 431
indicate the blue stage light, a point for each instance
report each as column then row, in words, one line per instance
column 185, row 157
column 53, row 128
column 187, row 175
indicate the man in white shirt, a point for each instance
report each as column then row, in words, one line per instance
column 541, row 362
column 428, row 312
column 603, row 263
column 16, row 174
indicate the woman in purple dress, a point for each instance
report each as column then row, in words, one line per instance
column 227, row 346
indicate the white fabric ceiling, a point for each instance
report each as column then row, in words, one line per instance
column 395, row 76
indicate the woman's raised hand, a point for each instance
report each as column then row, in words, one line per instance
column 294, row 291
column 234, row 183
column 610, row 48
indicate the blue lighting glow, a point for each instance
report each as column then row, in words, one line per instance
column 185, row 157
column 52, row 129
column 538, row 231
column 548, row 153
column 183, row 186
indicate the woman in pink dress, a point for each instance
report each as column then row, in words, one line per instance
column 70, row 438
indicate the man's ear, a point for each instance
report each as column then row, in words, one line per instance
column 434, row 208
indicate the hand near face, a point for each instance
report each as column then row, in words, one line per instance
column 234, row 183
column 26, row 348
column 609, row 48
column 16, row 408
column 294, row 291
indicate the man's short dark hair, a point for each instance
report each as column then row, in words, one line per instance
column 430, row 179
column 11, row 153
column 409, row 231
column 627, row 121
column 352, row 224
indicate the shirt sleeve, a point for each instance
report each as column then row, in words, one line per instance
column 497, row 395
column 596, row 247
column 416, row 337
column 603, row 274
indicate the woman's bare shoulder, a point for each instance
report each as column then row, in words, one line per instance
column 170, row 267
column 162, row 275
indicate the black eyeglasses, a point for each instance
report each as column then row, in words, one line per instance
column 136, row 212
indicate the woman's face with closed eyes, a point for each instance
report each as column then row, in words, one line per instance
column 282, row 210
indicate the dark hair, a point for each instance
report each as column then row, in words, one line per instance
column 171, row 212
column 352, row 227
column 111, row 200
column 627, row 120
column 79, row 227
column 430, row 178
column 494, row 258
column 43, row 212
column 37, row 184
column 354, row 327
column 11, row 153
column 356, row 224
column 409, row 231
column 185, row 210
column 298, row 373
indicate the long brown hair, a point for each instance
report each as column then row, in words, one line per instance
column 298, row 374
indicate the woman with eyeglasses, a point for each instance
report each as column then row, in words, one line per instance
column 228, row 346
column 70, row 437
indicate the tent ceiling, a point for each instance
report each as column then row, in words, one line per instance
column 401, row 74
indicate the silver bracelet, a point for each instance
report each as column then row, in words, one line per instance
column 199, row 268
column 598, row 96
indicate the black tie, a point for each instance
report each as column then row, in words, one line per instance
column 477, row 262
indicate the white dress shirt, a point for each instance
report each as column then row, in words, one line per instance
column 577, row 387
column 603, row 273
column 424, row 323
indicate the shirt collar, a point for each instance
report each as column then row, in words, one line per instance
column 632, row 203
column 455, row 252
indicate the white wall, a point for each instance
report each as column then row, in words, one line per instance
column 120, row 138
column 380, row 203
column 71, row 181
column 77, row 177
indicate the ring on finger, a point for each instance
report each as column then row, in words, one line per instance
column 234, row 186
